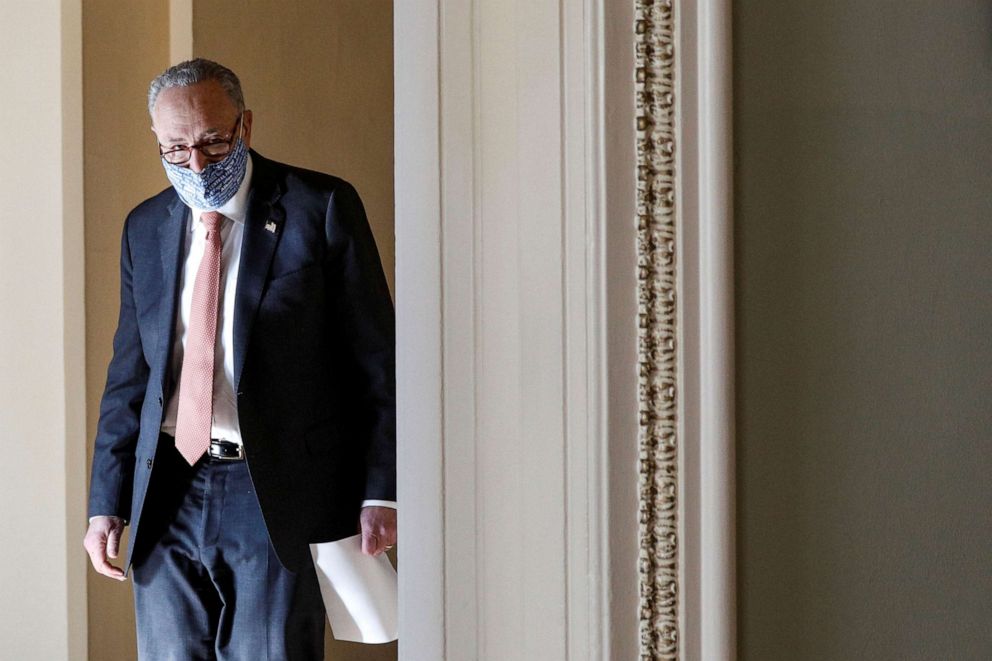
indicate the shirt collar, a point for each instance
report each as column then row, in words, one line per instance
column 237, row 207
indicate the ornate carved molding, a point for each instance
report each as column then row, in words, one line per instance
column 657, row 388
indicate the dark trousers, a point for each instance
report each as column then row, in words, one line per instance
column 207, row 583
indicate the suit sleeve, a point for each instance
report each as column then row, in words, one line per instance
column 363, row 304
column 120, row 409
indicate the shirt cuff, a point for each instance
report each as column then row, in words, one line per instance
column 110, row 515
column 379, row 503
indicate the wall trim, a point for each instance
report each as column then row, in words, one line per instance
column 685, row 256
column 74, row 325
column 658, row 324
column 704, row 74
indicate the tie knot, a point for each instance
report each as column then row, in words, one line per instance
column 211, row 220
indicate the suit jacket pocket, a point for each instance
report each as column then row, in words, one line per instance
column 292, row 296
column 296, row 275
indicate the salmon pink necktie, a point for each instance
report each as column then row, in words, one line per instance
column 196, row 382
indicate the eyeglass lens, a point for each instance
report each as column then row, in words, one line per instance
column 180, row 155
column 183, row 154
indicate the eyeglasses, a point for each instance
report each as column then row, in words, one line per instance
column 213, row 148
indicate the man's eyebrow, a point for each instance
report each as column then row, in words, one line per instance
column 209, row 133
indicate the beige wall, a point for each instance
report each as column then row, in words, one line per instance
column 319, row 79
column 863, row 181
column 121, row 170
column 42, row 568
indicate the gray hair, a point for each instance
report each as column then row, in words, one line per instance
column 195, row 71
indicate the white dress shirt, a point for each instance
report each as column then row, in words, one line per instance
column 224, row 423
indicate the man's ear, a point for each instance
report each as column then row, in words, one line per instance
column 246, row 122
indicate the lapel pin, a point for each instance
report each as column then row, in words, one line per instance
column 271, row 226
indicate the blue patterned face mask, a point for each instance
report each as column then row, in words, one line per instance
column 215, row 185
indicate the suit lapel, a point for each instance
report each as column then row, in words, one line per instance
column 170, row 241
column 263, row 227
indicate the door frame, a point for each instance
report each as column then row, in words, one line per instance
column 436, row 58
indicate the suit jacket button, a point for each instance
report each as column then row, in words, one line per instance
column 149, row 463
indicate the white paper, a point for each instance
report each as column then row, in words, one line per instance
column 359, row 591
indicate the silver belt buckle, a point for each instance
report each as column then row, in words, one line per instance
column 219, row 450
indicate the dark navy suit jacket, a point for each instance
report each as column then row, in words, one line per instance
column 313, row 353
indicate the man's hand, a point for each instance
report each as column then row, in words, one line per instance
column 378, row 529
column 103, row 539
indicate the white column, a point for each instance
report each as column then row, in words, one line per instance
column 420, row 444
column 42, row 405
column 500, row 315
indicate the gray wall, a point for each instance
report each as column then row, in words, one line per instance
column 864, row 328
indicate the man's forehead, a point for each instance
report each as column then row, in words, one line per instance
column 179, row 131
column 196, row 110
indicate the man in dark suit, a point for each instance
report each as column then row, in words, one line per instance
column 249, row 408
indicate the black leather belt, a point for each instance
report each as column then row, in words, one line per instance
column 225, row 451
